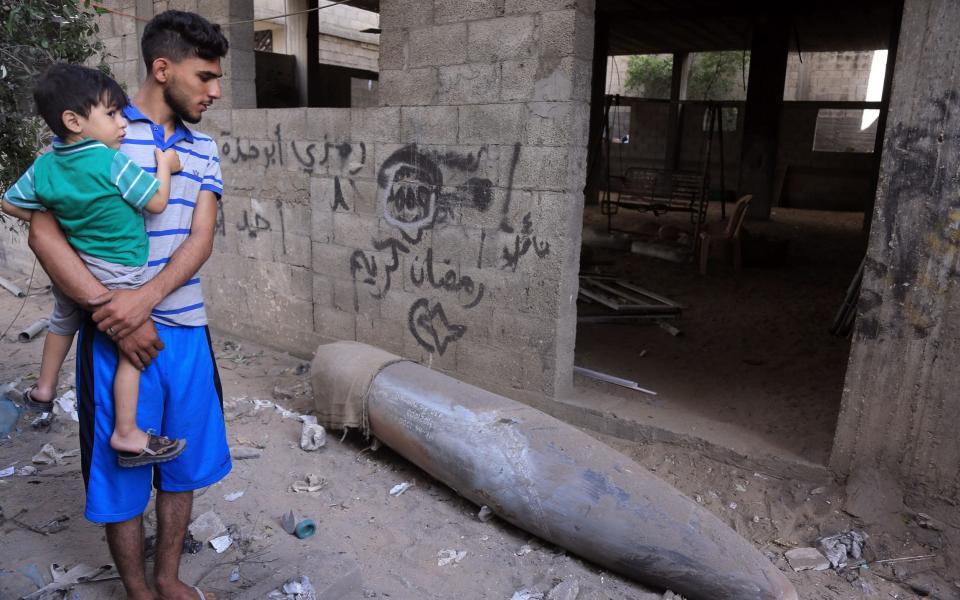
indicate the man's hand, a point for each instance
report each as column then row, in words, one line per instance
column 126, row 311
column 142, row 345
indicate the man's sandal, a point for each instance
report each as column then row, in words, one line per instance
column 159, row 449
column 29, row 402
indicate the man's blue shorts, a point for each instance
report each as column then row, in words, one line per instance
column 180, row 397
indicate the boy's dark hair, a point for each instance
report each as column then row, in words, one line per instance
column 72, row 87
column 177, row 35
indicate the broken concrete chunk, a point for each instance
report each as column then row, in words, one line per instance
column 805, row 559
column 206, row 527
column 842, row 546
column 312, row 437
column 311, row 483
column 245, row 452
column 221, row 543
column 485, row 514
column 568, row 589
column 49, row 455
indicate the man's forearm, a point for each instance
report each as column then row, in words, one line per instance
column 61, row 262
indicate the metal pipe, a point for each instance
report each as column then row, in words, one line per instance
column 33, row 330
column 562, row 485
column 12, row 288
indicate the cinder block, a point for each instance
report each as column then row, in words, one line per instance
column 538, row 373
column 500, row 39
column 562, row 79
column 354, row 231
column 537, row 167
column 485, row 363
column 330, row 124
column 335, row 324
column 291, row 121
column 376, row 125
column 330, row 259
column 528, row 332
column 354, row 297
column 469, row 84
column 381, row 333
column 557, row 123
column 438, row 44
column 409, row 87
column 467, row 10
column 518, row 79
column 292, row 249
column 492, row 123
column 566, row 33
column 361, row 196
column 249, row 124
column 540, row 6
column 217, row 123
column 429, row 125
column 397, row 14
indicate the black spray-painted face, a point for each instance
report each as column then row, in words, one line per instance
column 411, row 200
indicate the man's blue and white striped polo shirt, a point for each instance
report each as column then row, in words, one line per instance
column 200, row 162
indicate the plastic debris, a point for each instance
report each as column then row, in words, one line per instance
column 27, row 471
column 206, row 527
column 49, row 455
column 66, row 579
column 524, row 550
column 450, row 556
column 803, row 559
column 43, row 421
column 313, row 436
column 8, row 472
column 67, row 404
column 221, row 543
column 233, row 496
column 297, row 525
column 235, row 575
column 485, row 514
column 842, row 546
column 312, row 483
column 527, row 595
column 295, row 590
column 400, row 488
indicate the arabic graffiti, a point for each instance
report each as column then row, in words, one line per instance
column 419, row 190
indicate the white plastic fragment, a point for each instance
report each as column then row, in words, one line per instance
column 527, row 595
column 8, row 472
column 67, row 403
column 220, row 544
column 400, row 488
column 450, row 556
column 232, row 496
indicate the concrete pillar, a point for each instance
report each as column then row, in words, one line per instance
column 768, row 70
column 598, row 99
column 900, row 405
column 296, row 35
column 678, row 91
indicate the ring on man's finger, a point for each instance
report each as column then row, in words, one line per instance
column 110, row 331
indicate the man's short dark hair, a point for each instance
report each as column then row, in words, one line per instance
column 72, row 87
column 177, row 35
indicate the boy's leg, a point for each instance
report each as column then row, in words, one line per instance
column 127, row 436
column 125, row 540
column 55, row 349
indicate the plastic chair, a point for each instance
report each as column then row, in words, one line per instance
column 728, row 239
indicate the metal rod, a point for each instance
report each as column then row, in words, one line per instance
column 12, row 288
column 33, row 330
column 632, row 385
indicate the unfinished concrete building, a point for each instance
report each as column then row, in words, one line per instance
column 444, row 223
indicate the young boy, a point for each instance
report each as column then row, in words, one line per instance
column 96, row 194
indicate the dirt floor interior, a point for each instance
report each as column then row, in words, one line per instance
column 755, row 368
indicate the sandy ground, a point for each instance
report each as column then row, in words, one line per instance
column 382, row 546
column 755, row 351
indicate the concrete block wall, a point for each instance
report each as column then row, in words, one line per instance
column 119, row 34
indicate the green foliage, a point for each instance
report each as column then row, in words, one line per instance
column 649, row 75
column 34, row 34
column 713, row 75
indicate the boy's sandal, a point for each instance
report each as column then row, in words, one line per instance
column 159, row 449
column 29, row 402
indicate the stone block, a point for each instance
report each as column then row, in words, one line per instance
column 327, row 124
column 361, row 196
column 375, row 125
column 354, row 297
column 538, row 373
column 469, row 84
column 491, row 123
column 438, row 44
column 512, row 329
column 566, row 33
column 501, row 39
column 540, row 6
column 217, row 122
column 429, row 125
column 562, row 79
column 409, row 87
column 557, row 123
